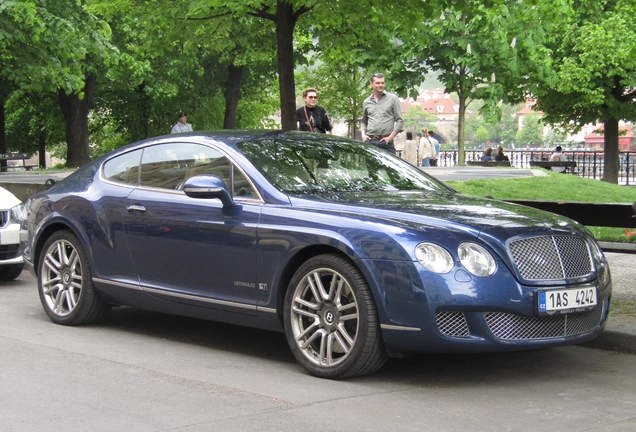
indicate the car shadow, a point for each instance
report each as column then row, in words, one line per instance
column 548, row 366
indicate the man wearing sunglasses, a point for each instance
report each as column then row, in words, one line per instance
column 310, row 117
column 382, row 116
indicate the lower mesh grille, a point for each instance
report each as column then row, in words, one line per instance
column 452, row 324
column 514, row 327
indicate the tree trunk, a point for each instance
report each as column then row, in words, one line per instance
column 232, row 95
column 42, row 149
column 285, row 22
column 611, row 164
column 75, row 112
column 3, row 137
column 461, row 121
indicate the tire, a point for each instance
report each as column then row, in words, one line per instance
column 65, row 282
column 10, row 272
column 331, row 321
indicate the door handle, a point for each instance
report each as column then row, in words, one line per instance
column 135, row 209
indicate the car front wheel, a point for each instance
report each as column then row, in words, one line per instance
column 65, row 283
column 331, row 321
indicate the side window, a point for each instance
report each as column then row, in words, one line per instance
column 242, row 187
column 167, row 166
column 123, row 168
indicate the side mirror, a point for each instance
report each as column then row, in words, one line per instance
column 208, row 186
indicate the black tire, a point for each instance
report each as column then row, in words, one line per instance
column 331, row 320
column 65, row 282
column 10, row 272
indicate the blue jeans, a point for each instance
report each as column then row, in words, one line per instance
column 426, row 162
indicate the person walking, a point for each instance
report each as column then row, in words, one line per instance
column 426, row 149
column 311, row 117
column 410, row 149
column 182, row 125
column 382, row 116
column 431, row 137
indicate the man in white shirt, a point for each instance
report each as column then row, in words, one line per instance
column 182, row 125
column 558, row 156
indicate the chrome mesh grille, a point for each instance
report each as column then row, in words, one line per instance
column 452, row 324
column 551, row 257
column 514, row 327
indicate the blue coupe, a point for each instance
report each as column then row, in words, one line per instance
column 353, row 253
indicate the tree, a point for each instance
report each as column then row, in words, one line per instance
column 595, row 62
column 55, row 46
column 416, row 118
column 532, row 131
column 469, row 47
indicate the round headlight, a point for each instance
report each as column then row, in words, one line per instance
column 476, row 259
column 602, row 268
column 434, row 258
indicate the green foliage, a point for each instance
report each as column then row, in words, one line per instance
column 532, row 131
column 48, row 42
column 417, row 119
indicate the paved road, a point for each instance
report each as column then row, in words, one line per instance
column 141, row 371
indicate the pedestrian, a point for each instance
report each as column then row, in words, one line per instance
column 431, row 137
column 381, row 116
column 426, row 149
column 410, row 149
column 501, row 157
column 557, row 156
column 487, row 156
column 182, row 125
column 311, row 117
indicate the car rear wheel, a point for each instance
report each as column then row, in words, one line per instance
column 10, row 272
column 65, row 283
column 331, row 321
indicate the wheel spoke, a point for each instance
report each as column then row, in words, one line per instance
column 313, row 337
column 59, row 300
column 308, row 305
column 51, row 285
column 313, row 327
column 342, row 331
column 305, row 313
column 52, row 264
column 314, row 289
column 71, row 301
column 348, row 306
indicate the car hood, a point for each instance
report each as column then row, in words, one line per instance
column 480, row 216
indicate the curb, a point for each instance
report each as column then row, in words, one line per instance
column 613, row 341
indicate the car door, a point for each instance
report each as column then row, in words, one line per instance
column 187, row 249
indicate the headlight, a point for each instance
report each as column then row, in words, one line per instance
column 476, row 259
column 601, row 264
column 15, row 214
column 434, row 258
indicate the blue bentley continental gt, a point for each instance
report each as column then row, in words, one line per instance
column 353, row 253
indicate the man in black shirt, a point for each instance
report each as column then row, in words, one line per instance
column 310, row 117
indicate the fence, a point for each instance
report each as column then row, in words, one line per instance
column 589, row 162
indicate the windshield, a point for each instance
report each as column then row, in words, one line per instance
column 305, row 166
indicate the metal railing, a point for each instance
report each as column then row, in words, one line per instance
column 589, row 163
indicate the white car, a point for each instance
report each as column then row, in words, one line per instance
column 11, row 262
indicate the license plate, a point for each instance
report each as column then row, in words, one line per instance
column 567, row 300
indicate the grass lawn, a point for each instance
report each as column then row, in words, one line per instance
column 556, row 187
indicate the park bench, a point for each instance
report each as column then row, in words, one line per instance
column 16, row 157
column 568, row 165
column 489, row 163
